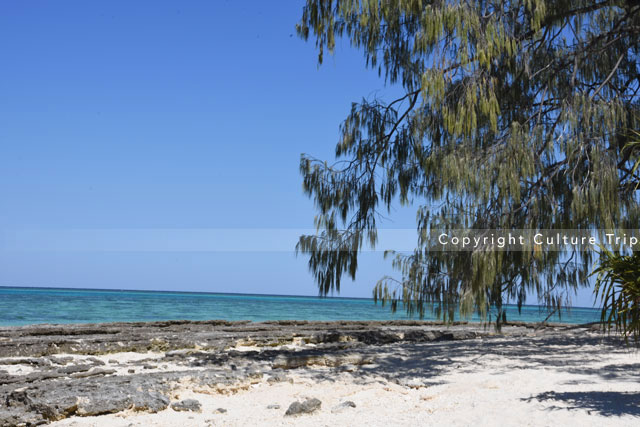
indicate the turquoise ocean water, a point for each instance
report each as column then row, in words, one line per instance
column 24, row 306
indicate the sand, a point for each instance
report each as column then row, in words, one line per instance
column 539, row 378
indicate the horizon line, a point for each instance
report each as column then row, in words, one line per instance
column 238, row 293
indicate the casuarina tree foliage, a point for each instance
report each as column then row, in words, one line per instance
column 514, row 115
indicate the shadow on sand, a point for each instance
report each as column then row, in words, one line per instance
column 607, row 403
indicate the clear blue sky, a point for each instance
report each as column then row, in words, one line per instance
column 168, row 114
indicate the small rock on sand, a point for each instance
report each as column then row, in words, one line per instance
column 273, row 406
column 277, row 378
column 343, row 406
column 307, row 407
column 187, row 405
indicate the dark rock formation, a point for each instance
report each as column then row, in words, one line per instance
column 33, row 342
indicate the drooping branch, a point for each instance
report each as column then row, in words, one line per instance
column 516, row 118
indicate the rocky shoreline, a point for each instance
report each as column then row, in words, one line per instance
column 52, row 372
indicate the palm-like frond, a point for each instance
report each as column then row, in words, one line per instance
column 618, row 286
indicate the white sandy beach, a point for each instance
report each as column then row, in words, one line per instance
column 538, row 379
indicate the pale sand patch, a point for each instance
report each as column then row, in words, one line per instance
column 131, row 360
column 120, row 362
column 19, row 369
column 296, row 344
column 459, row 384
column 124, row 357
